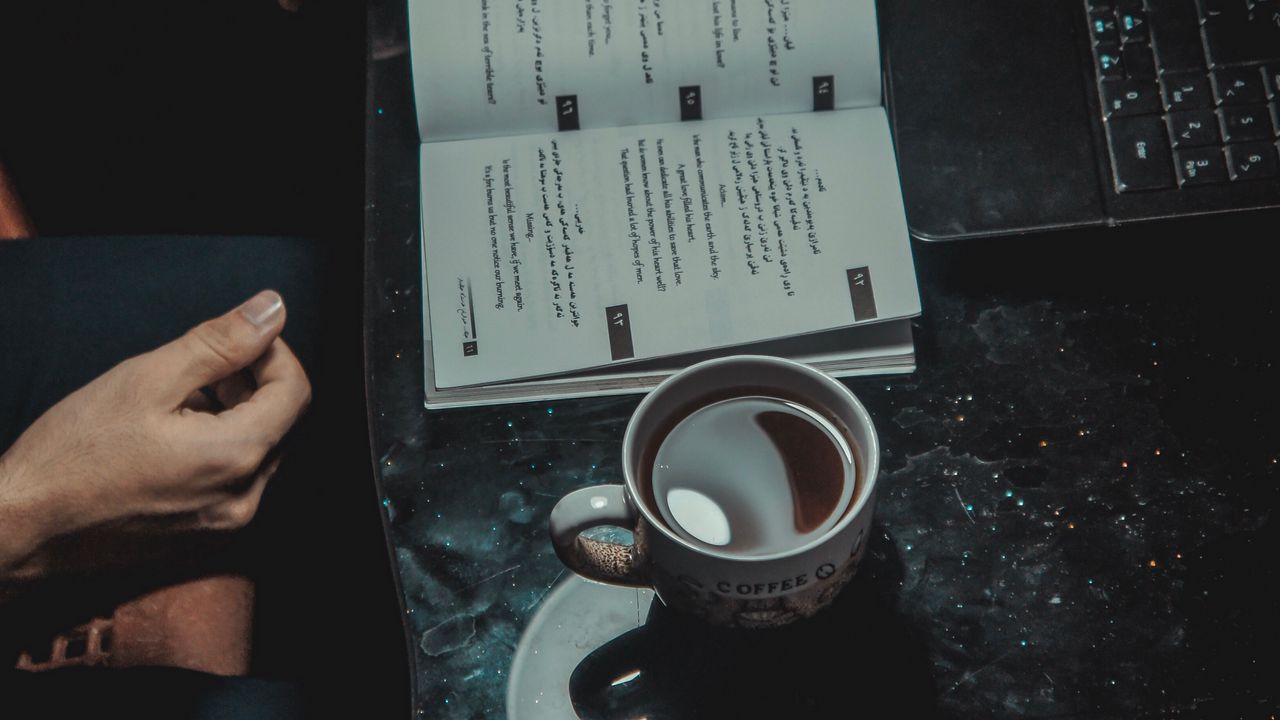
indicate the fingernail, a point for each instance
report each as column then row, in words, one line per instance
column 263, row 309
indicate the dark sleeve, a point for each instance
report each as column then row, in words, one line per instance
column 71, row 308
column 144, row 693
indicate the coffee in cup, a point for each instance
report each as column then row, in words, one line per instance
column 750, row 475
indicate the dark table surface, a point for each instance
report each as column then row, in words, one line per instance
column 1074, row 519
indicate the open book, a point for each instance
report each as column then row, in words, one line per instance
column 613, row 189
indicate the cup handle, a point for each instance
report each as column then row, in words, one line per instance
column 599, row 560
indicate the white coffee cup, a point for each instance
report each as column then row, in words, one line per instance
column 727, row 585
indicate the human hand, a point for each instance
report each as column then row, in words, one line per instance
column 143, row 447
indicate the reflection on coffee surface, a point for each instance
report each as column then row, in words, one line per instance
column 753, row 476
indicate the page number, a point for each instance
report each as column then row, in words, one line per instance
column 567, row 112
column 618, row 321
column 690, row 102
column 824, row 92
column 861, row 293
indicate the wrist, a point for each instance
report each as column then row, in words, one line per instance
column 26, row 519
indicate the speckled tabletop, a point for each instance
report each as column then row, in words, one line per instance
column 1074, row 519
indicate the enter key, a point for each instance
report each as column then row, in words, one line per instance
column 1140, row 156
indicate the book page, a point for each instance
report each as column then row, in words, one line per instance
column 559, row 252
column 486, row 68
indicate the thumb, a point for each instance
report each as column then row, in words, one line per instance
column 217, row 348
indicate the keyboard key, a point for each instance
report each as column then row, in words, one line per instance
column 1121, row 98
column 1132, row 23
column 1175, row 34
column 1140, row 155
column 1263, row 7
column 1251, row 161
column 1275, row 118
column 1193, row 128
column 1110, row 63
column 1185, row 90
column 1103, row 27
column 1138, row 62
column 1237, row 86
column 1271, row 80
column 1212, row 10
column 1198, row 166
column 1234, row 40
column 1242, row 124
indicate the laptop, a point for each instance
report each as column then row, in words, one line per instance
column 1012, row 117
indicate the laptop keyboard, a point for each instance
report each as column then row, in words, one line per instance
column 1190, row 90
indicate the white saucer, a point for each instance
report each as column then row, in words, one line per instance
column 575, row 618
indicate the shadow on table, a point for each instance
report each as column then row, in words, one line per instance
column 859, row 655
